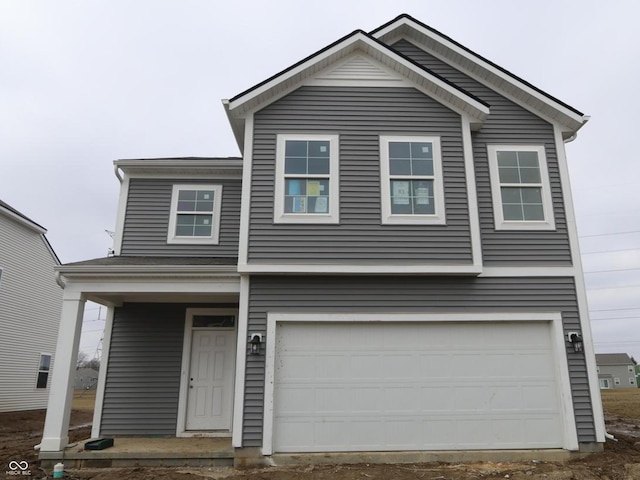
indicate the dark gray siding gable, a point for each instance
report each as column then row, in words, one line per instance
column 508, row 123
column 359, row 116
column 411, row 295
column 147, row 220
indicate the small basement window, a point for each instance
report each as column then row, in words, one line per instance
column 195, row 214
column 43, row 370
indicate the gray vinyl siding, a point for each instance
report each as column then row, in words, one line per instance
column 410, row 294
column 30, row 306
column 507, row 123
column 143, row 374
column 359, row 116
column 147, row 220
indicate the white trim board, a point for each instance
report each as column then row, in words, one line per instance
column 581, row 290
column 241, row 362
column 102, row 374
column 570, row 440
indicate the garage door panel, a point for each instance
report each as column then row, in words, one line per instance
column 386, row 388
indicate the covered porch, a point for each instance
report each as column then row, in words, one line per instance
column 146, row 389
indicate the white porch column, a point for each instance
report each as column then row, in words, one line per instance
column 56, row 425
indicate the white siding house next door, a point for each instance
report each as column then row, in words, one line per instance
column 385, row 386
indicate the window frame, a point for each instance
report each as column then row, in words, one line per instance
column 616, row 381
column 387, row 217
column 43, row 371
column 496, row 189
column 632, row 381
column 279, row 214
column 212, row 239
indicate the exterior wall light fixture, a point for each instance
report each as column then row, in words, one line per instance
column 575, row 339
column 254, row 343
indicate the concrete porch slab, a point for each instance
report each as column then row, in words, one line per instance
column 140, row 451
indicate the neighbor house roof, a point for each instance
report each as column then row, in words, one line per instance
column 22, row 219
column 9, row 211
column 613, row 359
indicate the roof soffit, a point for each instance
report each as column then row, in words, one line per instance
column 482, row 70
column 181, row 167
column 321, row 68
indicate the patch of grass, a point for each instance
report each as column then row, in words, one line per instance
column 84, row 399
column 623, row 402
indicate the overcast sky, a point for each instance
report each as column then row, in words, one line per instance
column 83, row 83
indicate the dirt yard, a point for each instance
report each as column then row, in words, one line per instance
column 20, row 431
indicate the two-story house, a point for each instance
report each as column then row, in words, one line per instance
column 615, row 370
column 30, row 305
column 401, row 211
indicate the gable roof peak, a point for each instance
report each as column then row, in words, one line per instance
column 481, row 69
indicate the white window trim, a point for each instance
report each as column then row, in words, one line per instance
column 547, row 201
column 632, row 381
column 616, row 381
column 181, row 425
column 279, row 215
column 437, row 218
column 215, row 227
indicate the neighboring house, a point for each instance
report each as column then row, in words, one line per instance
column 401, row 210
column 30, row 306
column 85, row 379
column 616, row 370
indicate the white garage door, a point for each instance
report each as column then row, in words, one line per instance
column 415, row 386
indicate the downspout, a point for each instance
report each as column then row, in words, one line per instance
column 116, row 169
column 59, row 280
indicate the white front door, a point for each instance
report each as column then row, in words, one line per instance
column 210, row 392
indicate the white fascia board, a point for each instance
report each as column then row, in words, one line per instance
column 23, row 221
column 141, row 270
column 313, row 269
column 209, row 286
column 415, row 33
column 172, row 168
column 286, row 82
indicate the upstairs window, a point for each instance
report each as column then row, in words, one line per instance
column 195, row 214
column 520, row 188
column 411, row 180
column 43, row 370
column 306, row 189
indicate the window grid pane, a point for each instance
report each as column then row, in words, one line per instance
column 411, row 159
column 190, row 225
column 305, row 195
column 522, row 203
column 195, row 200
column 411, row 172
column 412, row 197
column 519, row 167
column 310, row 158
